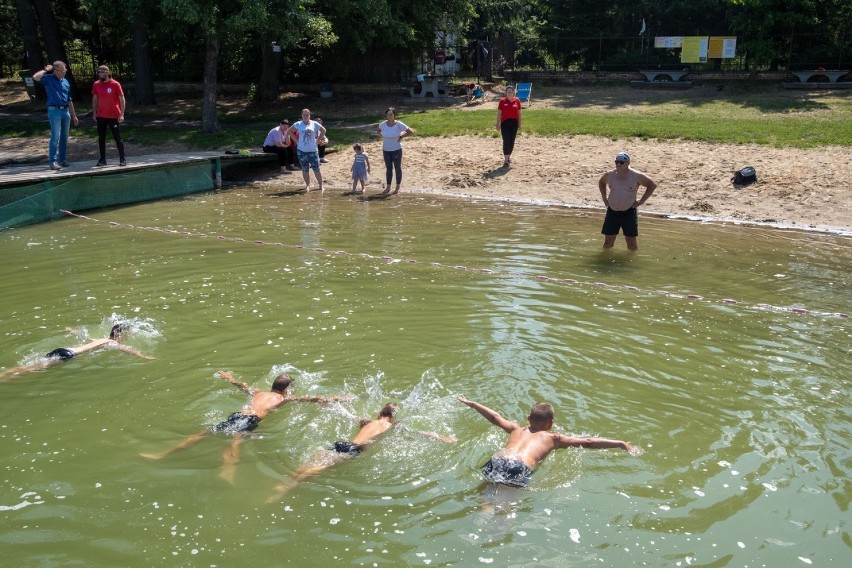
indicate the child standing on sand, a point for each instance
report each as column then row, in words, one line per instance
column 360, row 168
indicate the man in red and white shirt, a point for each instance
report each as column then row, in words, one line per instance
column 108, row 111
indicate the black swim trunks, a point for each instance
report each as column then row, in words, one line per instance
column 346, row 447
column 627, row 221
column 237, row 423
column 514, row 473
column 63, row 354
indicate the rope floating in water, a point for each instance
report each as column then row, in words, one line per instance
column 538, row 277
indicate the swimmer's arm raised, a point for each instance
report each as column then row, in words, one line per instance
column 563, row 441
column 239, row 384
column 491, row 415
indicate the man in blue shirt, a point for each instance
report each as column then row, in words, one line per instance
column 60, row 111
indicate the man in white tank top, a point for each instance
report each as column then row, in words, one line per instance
column 621, row 203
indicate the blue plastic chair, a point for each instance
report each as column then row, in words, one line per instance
column 524, row 92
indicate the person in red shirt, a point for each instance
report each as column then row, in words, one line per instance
column 508, row 122
column 108, row 111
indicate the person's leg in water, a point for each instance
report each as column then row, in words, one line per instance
column 230, row 458
column 185, row 443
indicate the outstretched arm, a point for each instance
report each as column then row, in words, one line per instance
column 434, row 435
column 321, row 399
column 564, row 441
column 239, row 384
column 134, row 352
column 491, row 415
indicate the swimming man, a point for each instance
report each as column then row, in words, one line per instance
column 62, row 354
column 369, row 431
column 527, row 446
column 246, row 419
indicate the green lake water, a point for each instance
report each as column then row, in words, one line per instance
column 742, row 409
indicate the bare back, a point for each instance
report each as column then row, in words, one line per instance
column 529, row 445
column 372, row 429
column 262, row 402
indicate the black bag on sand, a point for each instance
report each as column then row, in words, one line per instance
column 746, row 176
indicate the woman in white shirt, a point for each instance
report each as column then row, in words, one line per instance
column 392, row 131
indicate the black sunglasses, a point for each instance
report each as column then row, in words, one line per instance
column 620, row 162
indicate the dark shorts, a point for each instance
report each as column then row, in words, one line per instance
column 237, row 423
column 63, row 354
column 628, row 221
column 514, row 473
column 348, row 448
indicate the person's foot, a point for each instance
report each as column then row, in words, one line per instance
column 395, row 191
column 55, row 166
column 100, row 163
column 323, row 161
column 122, row 162
column 65, row 164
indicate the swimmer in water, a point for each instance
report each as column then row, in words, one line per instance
column 527, row 446
column 62, row 354
column 246, row 419
column 369, row 431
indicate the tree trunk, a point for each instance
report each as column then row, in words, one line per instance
column 267, row 91
column 209, row 115
column 53, row 39
column 143, row 94
column 29, row 31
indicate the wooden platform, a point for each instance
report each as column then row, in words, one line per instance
column 17, row 175
column 34, row 193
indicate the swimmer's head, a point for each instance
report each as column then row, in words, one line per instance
column 281, row 383
column 117, row 331
column 388, row 411
column 541, row 416
column 622, row 157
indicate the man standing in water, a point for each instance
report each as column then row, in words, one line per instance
column 527, row 446
column 62, row 354
column 621, row 203
column 244, row 420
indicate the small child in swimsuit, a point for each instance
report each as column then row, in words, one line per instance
column 360, row 168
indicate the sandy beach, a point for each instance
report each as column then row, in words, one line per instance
column 805, row 189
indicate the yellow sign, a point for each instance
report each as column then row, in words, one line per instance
column 722, row 48
column 694, row 49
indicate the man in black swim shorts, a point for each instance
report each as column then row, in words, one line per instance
column 621, row 202
column 528, row 445
column 341, row 450
column 66, row 353
column 245, row 420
